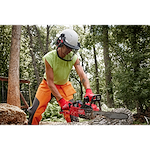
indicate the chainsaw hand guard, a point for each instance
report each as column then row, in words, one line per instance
column 95, row 98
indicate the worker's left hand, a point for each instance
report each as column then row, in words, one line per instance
column 89, row 94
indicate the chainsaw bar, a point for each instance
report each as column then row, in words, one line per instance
column 111, row 115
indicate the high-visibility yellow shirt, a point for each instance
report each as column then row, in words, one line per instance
column 61, row 68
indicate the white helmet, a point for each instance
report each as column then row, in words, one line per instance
column 69, row 38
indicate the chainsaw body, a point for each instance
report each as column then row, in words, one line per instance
column 89, row 110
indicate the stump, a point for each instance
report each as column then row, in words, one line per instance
column 10, row 114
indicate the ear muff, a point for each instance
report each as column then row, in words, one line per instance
column 57, row 42
column 60, row 40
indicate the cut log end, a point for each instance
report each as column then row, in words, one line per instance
column 10, row 114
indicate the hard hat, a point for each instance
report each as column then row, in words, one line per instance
column 69, row 38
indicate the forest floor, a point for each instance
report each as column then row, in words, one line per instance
column 134, row 120
column 47, row 124
column 142, row 118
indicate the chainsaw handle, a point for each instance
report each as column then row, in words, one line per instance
column 96, row 97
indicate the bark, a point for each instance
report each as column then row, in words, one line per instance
column 107, row 61
column 33, row 57
column 13, row 93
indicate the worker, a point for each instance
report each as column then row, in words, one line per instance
column 58, row 65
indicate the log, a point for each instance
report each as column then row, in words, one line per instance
column 100, row 120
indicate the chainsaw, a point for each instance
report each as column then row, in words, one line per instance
column 89, row 110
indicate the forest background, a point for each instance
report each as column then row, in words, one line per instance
column 115, row 58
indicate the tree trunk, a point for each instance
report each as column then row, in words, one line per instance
column 33, row 57
column 47, row 39
column 96, row 72
column 107, row 61
column 39, row 38
column 81, row 87
column 13, row 93
column 93, row 30
column 136, row 66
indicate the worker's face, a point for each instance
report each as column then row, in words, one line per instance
column 65, row 50
column 66, row 53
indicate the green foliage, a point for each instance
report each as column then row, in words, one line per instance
column 52, row 112
column 5, row 43
column 131, row 65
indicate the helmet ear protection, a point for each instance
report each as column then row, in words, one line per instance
column 60, row 40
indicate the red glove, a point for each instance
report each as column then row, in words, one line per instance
column 89, row 94
column 64, row 104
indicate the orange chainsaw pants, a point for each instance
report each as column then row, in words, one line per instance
column 43, row 96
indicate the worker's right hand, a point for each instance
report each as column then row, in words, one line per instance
column 65, row 105
column 89, row 94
